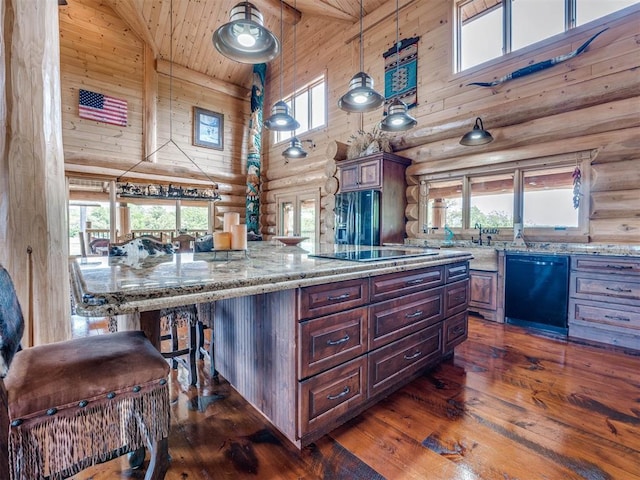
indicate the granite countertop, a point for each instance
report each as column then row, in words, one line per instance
column 118, row 285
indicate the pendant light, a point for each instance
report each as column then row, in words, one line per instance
column 361, row 96
column 477, row 136
column 244, row 39
column 294, row 150
column 397, row 118
column 280, row 120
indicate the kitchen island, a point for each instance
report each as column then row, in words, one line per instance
column 310, row 342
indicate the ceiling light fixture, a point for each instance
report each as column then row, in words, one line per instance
column 244, row 39
column 397, row 118
column 361, row 97
column 477, row 136
column 280, row 119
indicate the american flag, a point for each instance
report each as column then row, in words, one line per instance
column 102, row 108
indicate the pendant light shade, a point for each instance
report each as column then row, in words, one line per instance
column 280, row 119
column 361, row 96
column 244, row 39
column 477, row 136
column 397, row 119
column 294, row 150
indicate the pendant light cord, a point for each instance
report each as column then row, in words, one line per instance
column 361, row 44
column 281, row 54
column 295, row 69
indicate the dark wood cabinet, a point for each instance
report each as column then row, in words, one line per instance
column 384, row 172
column 484, row 291
column 314, row 357
column 604, row 300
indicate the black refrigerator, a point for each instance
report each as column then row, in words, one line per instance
column 358, row 218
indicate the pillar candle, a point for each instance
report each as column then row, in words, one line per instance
column 230, row 218
column 221, row 240
column 239, row 237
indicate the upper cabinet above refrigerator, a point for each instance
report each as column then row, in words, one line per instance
column 379, row 171
column 383, row 172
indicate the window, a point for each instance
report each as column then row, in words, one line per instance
column 487, row 29
column 193, row 219
column 548, row 198
column 444, row 205
column 537, row 193
column 491, row 201
column 308, row 107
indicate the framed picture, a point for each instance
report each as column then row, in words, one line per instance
column 208, row 128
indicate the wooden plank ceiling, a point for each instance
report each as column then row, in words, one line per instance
column 194, row 22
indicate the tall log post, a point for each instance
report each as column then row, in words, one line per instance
column 33, row 225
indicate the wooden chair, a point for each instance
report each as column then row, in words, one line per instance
column 99, row 246
column 68, row 405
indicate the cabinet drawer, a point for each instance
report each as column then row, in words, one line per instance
column 393, row 319
column 455, row 330
column 619, row 337
column 626, row 266
column 390, row 365
column 403, row 283
column 455, row 272
column 611, row 314
column 332, row 297
column 328, row 341
column 605, row 287
column 456, row 298
column 331, row 394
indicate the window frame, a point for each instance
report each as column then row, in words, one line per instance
column 570, row 23
column 518, row 169
column 282, row 137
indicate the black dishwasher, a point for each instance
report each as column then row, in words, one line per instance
column 537, row 291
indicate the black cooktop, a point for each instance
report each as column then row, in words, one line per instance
column 374, row 254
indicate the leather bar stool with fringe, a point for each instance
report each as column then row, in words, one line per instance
column 66, row 406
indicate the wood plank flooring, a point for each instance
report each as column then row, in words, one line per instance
column 511, row 404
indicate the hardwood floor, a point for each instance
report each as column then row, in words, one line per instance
column 510, row 405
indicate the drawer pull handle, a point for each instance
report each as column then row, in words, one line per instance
column 411, row 357
column 339, row 297
column 415, row 314
column 616, row 317
column 415, row 281
column 618, row 289
column 459, row 297
column 338, row 342
column 458, row 330
column 620, row 267
column 341, row 394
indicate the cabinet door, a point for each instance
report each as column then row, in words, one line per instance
column 349, row 178
column 484, row 287
column 370, row 176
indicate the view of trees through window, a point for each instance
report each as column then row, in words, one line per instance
column 546, row 197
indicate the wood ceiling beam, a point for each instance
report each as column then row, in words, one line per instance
column 183, row 73
column 130, row 13
column 289, row 14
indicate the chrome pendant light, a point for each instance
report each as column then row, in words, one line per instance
column 244, row 39
column 477, row 136
column 361, row 96
column 397, row 118
column 280, row 119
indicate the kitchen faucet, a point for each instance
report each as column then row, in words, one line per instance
column 479, row 241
